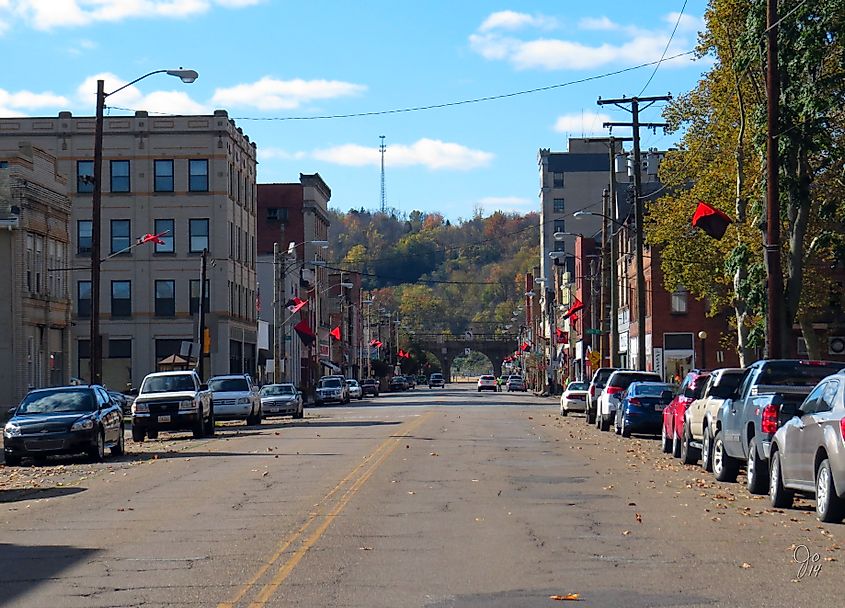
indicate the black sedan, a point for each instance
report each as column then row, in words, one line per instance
column 369, row 386
column 64, row 420
column 398, row 383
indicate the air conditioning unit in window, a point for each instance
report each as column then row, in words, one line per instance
column 836, row 345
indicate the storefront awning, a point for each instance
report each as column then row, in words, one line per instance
column 327, row 363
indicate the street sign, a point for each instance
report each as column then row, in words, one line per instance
column 594, row 332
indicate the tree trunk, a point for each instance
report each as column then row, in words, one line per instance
column 798, row 213
column 813, row 341
column 740, row 204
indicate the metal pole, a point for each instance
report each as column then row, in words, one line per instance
column 638, row 238
column 276, row 349
column 774, row 323
column 95, row 344
column 203, row 295
column 605, row 255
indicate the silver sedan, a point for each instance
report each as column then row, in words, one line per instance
column 281, row 400
column 574, row 398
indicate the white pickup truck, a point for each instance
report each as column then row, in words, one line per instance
column 172, row 401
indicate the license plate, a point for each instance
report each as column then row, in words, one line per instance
column 164, row 418
column 659, row 407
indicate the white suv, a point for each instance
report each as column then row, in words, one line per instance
column 611, row 396
column 235, row 397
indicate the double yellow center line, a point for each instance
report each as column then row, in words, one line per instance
column 317, row 522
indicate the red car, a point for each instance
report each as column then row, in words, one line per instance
column 673, row 414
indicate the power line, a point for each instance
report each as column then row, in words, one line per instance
column 666, row 50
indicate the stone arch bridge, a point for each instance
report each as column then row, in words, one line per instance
column 447, row 348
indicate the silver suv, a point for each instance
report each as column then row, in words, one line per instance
column 332, row 388
column 235, row 397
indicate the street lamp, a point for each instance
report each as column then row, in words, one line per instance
column 702, row 336
column 94, row 345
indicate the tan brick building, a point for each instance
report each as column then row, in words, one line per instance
column 34, row 300
column 191, row 177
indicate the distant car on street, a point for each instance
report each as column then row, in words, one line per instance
column 64, row 420
column 172, row 401
column 611, row 396
column 332, row 388
column 641, row 409
column 516, row 384
column 369, row 386
column 411, row 381
column 597, row 384
column 436, row 379
column 235, row 397
column 355, row 390
column 397, row 383
column 574, row 398
column 281, row 400
column 487, row 383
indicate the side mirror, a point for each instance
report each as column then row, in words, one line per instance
column 12, row 411
column 203, row 387
column 788, row 410
column 667, row 395
column 133, row 392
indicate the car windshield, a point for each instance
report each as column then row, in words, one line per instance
column 577, row 386
column 792, row 373
column 369, row 381
column 651, row 390
column 352, row 382
column 330, row 383
column 168, row 384
column 398, row 379
column 601, row 377
column 625, row 379
column 515, row 379
column 436, row 376
column 58, row 401
column 275, row 390
column 227, row 385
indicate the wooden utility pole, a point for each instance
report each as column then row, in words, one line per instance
column 635, row 124
column 203, row 295
column 774, row 272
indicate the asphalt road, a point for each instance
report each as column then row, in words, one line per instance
column 435, row 498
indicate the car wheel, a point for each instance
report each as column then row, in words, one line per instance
column 665, row 444
column 676, row 444
column 725, row 468
column 137, row 434
column 299, row 413
column 604, row 422
column 757, row 474
column 152, row 434
column 119, row 448
column 479, row 389
column 830, row 508
column 12, row 460
column 198, row 429
column 563, row 411
column 589, row 416
column 707, row 452
column 625, row 430
column 97, row 452
column 689, row 454
column 617, row 424
column 779, row 496
column 209, row 424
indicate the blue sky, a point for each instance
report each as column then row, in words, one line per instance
column 267, row 60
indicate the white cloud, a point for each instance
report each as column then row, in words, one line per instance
column 270, row 153
column 49, row 14
column 506, row 203
column 430, row 153
column 628, row 45
column 273, row 94
column 511, row 20
column 588, row 123
column 688, row 23
column 27, row 99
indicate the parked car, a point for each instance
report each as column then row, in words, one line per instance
column 701, row 415
column 397, row 383
column 235, row 397
column 369, row 386
column 411, row 381
column 355, row 390
column 808, row 451
column 749, row 419
column 673, row 416
column 64, row 420
column 516, row 384
column 574, row 398
column 436, row 379
column 641, row 409
column 597, row 384
column 172, row 401
column 487, row 383
column 124, row 401
column 331, row 388
column 611, row 395
column 281, row 399
column 421, row 379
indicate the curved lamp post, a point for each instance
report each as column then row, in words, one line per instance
column 94, row 346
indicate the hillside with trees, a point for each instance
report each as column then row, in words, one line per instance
column 441, row 276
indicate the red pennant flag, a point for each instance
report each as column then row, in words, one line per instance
column 258, row 298
column 573, row 308
column 155, row 238
column 376, row 343
column 712, row 221
column 295, row 304
column 526, row 347
column 573, row 319
column 407, row 355
column 401, row 353
column 304, row 332
column 335, row 333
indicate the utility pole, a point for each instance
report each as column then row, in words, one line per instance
column 604, row 339
column 774, row 272
column 382, row 149
column 203, row 295
column 635, row 124
column 95, row 349
column 276, row 349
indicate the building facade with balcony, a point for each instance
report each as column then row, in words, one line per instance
column 190, row 179
column 35, row 307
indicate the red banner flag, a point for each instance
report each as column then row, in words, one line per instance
column 711, row 220
column 526, row 347
column 573, row 308
column 304, row 332
column 295, row 304
column 335, row 333
column 155, row 238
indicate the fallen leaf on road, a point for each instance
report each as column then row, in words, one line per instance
column 745, row 565
column 569, row 597
column 410, row 492
column 639, row 518
column 265, row 473
column 625, row 532
column 434, row 454
column 365, row 548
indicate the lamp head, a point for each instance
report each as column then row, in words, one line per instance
column 346, row 285
column 581, row 214
column 187, row 76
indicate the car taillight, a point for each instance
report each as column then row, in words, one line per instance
column 612, row 390
column 769, row 423
column 592, row 390
column 634, row 401
column 842, row 428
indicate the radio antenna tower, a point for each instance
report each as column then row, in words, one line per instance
column 382, row 148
